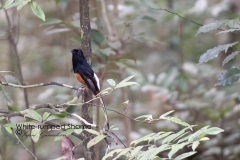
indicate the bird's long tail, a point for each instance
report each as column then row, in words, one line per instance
column 105, row 112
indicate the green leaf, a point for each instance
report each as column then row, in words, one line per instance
column 198, row 134
column 181, row 136
column 37, row 10
column 152, row 152
column 150, row 19
column 213, row 53
column 120, row 85
column 8, row 129
column 78, row 131
column 105, row 51
column 111, row 82
column 33, row 115
column 60, row 115
column 92, row 131
column 21, row 125
column 214, row 131
column 1, row 118
column 148, row 116
column 185, row 155
column 227, row 31
column 159, row 149
column 45, row 115
column 144, row 138
column 95, row 140
column 122, row 153
column 76, row 39
column 195, row 145
column 35, row 134
column 184, row 139
column 172, row 137
column 229, row 57
column 19, row 7
column 212, row 26
column 156, row 135
column 67, row 133
column 178, row 121
column 136, row 150
column 52, row 117
column 7, row 3
column 51, row 21
column 162, row 136
column 165, row 114
column 125, row 103
column 127, row 79
column 204, row 139
column 97, row 36
column 229, row 77
column 110, row 154
column 105, row 91
column 234, row 23
column 113, row 128
column 13, row 4
column 174, row 149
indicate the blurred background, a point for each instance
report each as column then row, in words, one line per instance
column 129, row 37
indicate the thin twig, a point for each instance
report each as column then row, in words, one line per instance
column 105, row 18
column 74, row 115
column 37, row 85
column 106, row 124
column 13, row 43
column 24, row 146
column 199, row 24
column 83, row 120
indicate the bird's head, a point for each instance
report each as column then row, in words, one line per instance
column 77, row 52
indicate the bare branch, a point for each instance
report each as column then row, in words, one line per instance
column 24, row 146
column 37, row 85
column 83, row 120
column 105, row 18
column 199, row 24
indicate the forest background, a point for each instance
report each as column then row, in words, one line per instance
column 154, row 40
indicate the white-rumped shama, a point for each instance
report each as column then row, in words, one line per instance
column 83, row 72
column 85, row 75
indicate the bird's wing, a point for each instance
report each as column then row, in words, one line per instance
column 89, row 78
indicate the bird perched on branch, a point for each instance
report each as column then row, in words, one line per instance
column 85, row 75
column 83, row 72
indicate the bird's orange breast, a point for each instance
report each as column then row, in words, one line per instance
column 79, row 78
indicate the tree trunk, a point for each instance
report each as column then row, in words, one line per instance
column 86, row 47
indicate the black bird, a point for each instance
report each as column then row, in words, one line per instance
column 85, row 75
column 83, row 72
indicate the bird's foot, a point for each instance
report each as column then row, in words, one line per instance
column 80, row 90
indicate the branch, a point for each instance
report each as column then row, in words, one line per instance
column 37, row 85
column 83, row 120
column 105, row 18
column 199, row 24
column 24, row 146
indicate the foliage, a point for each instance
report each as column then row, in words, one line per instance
column 156, row 46
column 148, row 147
column 230, row 76
column 170, row 141
column 20, row 3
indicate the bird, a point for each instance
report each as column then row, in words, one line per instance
column 83, row 72
column 86, row 76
